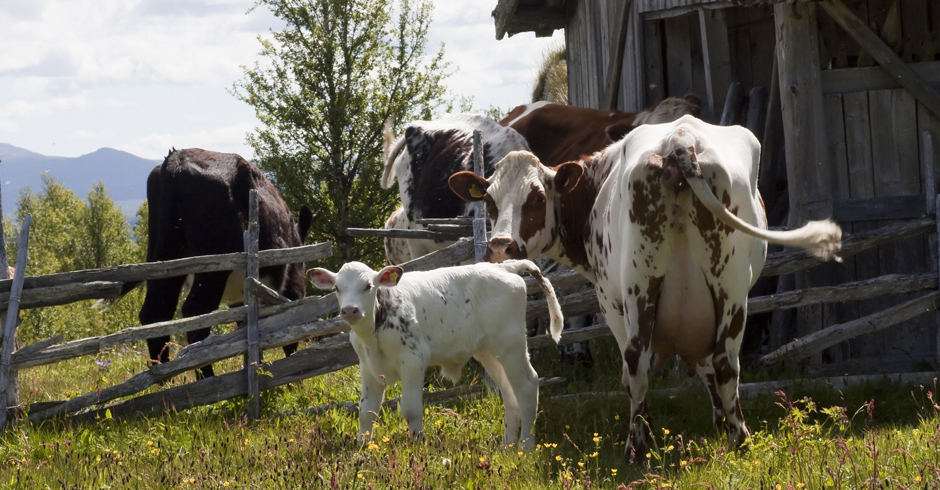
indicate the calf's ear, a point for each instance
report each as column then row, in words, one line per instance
column 567, row 176
column 389, row 276
column 468, row 186
column 321, row 278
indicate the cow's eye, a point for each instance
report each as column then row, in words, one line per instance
column 368, row 287
column 540, row 198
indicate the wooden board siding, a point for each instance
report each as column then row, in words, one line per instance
column 590, row 25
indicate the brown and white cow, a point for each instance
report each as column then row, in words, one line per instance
column 559, row 133
column 671, row 268
column 423, row 159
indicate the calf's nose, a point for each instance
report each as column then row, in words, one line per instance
column 350, row 313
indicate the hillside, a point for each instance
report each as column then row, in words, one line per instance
column 124, row 175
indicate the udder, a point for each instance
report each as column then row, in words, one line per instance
column 685, row 315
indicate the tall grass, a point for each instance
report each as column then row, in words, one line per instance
column 874, row 436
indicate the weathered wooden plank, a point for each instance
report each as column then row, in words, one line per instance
column 817, row 341
column 853, row 291
column 848, row 80
column 12, row 392
column 716, row 55
column 678, row 56
column 253, row 357
column 270, row 296
column 653, row 61
column 412, row 234
column 790, row 261
column 835, row 126
column 879, row 208
column 38, row 346
column 884, row 55
column 756, row 112
column 615, row 59
column 13, row 311
column 809, row 171
column 64, row 294
column 732, row 104
column 479, row 213
column 502, row 15
column 543, row 21
column 179, row 267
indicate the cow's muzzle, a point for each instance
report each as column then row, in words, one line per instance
column 502, row 249
column 351, row 314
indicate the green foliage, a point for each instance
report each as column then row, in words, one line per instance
column 330, row 79
column 68, row 234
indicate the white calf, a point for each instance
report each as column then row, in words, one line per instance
column 402, row 323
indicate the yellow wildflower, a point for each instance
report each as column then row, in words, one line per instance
column 617, row 417
column 666, row 431
column 150, row 443
column 558, row 458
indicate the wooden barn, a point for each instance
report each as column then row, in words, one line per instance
column 843, row 96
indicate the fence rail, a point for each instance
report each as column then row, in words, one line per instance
column 294, row 321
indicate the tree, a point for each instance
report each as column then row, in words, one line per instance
column 66, row 235
column 332, row 77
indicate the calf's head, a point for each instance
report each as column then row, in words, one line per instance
column 356, row 286
column 521, row 200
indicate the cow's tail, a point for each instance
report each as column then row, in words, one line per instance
column 556, row 319
column 104, row 303
column 391, row 147
column 822, row 239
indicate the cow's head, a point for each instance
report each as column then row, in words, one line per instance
column 356, row 287
column 520, row 199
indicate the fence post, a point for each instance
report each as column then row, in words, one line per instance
column 9, row 327
column 12, row 399
column 479, row 216
column 253, row 359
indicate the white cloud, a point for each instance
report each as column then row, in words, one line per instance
column 227, row 139
column 20, row 108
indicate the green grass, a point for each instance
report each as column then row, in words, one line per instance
column 874, row 436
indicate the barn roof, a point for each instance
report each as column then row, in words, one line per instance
column 544, row 16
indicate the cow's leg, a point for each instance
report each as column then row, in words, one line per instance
column 370, row 402
column 720, row 373
column 640, row 303
column 204, row 297
column 159, row 305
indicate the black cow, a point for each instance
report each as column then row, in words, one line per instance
column 423, row 159
column 199, row 206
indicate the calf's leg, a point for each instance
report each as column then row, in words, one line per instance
column 511, row 412
column 525, row 388
column 370, row 402
column 412, row 393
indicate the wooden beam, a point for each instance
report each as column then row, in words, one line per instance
column 178, row 267
column 849, row 80
column 253, row 357
column 411, row 234
column 502, row 14
column 615, row 62
column 793, row 260
column 818, row 341
column 542, row 21
column 884, row 55
column 479, row 213
column 879, row 208
column 9, row 328
column 717, row 55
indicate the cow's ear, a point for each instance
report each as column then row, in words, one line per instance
column 389, row 276
column 468, row 185
column 615, row 132
column 321, row 278
column 567, row 176
column 696, row 102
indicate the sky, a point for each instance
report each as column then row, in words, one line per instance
column 144, row 75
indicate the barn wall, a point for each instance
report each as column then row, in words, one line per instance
column 587, row 35
column 873, row 134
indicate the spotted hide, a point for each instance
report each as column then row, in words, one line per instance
column 422, row 161
column 669, row 226
column 199, row 206
column 402, row 323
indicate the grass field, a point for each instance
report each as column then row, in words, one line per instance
column 874, row 436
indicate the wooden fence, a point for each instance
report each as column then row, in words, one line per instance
column 286, row 323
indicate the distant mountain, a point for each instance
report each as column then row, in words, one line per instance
column 124, row 175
